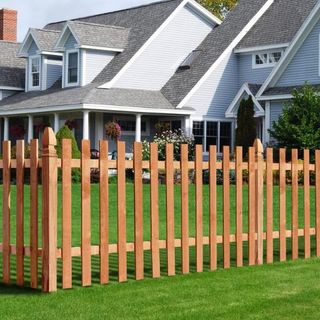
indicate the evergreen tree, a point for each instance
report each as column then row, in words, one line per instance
column 246, row 131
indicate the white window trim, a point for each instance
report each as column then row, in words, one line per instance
column 265, row 65
column 205, row 121
column 133, row 133
column 66, row 67
column 30, row 82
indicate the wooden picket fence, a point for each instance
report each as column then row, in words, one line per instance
column 260, row 180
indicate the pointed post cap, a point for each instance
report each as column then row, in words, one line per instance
column 49, row 138
column 258, row 146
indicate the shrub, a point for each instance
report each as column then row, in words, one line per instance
column 177, row 138
column 66, row 133
column 246, row 131
column 299, row 124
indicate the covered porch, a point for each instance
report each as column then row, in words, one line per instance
column 90, row 125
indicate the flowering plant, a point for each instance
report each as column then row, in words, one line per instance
column 17, row 131
column 71, row 124
column 113, row 130
column 176, row 137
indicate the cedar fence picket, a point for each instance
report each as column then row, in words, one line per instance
column 259, row 202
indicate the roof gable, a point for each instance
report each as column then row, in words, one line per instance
column 93, row 35
column 42, row 40
column 279, row 24
column 292, row 50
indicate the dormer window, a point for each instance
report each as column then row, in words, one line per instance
column 34, row 76
column 73, row 68
column 266, row 59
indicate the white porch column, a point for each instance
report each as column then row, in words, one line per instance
column 30, row 128
column 187, row 126
column 86, row 129
column 6, row 129
column 56, row 125
column 267, row 120
column 138, row 128
column 99, row 129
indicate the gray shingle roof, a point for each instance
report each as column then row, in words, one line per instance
column 99, row 35
column 12, row 69
column 142, row 21
column 276, row 91
column 279, row 24
column 254, row 88
column 46, row 39
column 212, row 47
column 87, row 95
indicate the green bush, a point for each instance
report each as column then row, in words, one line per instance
column 246, row 131
column 298, row 127
column 66, row 133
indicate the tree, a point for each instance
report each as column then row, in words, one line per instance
column 219, row 7
column 246, row 131
column 66, row 133
column 299, row 124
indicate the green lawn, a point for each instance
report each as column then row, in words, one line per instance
column 76, row 212
column 280, row 291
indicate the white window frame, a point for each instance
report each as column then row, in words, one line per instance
column 66, row 71
column 132, row 133
column 268, row 64
column 205, row 125
column 30, row 73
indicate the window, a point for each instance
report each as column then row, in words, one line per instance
column 213, row 133
column 130, row 126
column 35, row 72
column 198, row 131
column 265, row 60
column 73, row 68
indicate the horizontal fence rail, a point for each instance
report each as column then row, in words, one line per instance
column 256, row 175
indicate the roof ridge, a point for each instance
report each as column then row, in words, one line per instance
column 96, row 24
column 45, row 30
column 111, row 12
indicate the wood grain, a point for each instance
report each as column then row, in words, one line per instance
column 269, row 204
column 282, row 204
column 239, row 205
column 306, row 175
column 294, row 200
column 104, row 212
column 184, row 209
column 226, row 207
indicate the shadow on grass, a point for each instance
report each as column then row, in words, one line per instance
column 113, row 266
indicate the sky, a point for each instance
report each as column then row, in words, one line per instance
column 37, row 13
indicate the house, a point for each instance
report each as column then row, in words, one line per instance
column 169, row 62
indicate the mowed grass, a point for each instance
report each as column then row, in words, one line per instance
column 76, row 211
column 280, row 291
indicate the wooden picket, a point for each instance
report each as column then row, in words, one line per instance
column 66, row 214
column 34, row 213
column 259, row 238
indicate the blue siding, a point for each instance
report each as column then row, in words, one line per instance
column 71, row 42
column 276, row 108
column 54, row 72
column 250, row 75
column 305, row 64
column 33, row 49
column 218, row 91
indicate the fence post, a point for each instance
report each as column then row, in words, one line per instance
column 259, row 200
column 49, row 212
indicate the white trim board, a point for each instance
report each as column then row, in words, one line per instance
column 298, row 40
column 261, row 48
column 96, row 107
column 230, row 48
column 276, row 97
column 194, row 5
column 233, row 108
